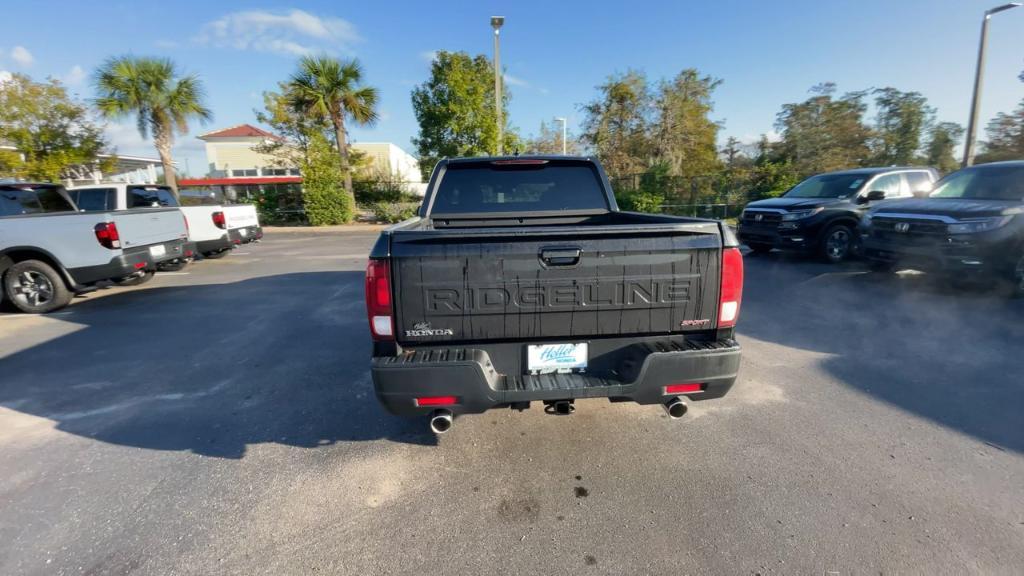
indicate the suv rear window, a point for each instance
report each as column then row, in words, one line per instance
column 519, row 186
column 150, row 197
column 17, row 200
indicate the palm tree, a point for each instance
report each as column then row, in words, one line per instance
column 162, row 100
column 329, row 88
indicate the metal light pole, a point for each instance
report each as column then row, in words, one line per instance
column 496, row 22
column 562, row 120
column 972, row 124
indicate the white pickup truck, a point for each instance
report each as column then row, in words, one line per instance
column 50, row 251
column 212, row 227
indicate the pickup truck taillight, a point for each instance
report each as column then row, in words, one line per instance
column 732, row 288
column 219, row 221
column 378, row 300
column 107, row 236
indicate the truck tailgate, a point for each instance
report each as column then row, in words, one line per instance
column 144, row 226
column 528, row 283
column 241, row 216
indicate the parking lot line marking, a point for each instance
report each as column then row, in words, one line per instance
column 175, row 273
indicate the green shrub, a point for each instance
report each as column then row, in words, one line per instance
column 393, row 212
column 323, row 186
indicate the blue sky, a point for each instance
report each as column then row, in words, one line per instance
column 555, row 53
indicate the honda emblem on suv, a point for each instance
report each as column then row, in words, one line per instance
column 903, row 227
column 758, row 217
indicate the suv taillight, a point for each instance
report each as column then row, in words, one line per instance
column 219, row 221
column 107, row 236
column 732, row 288
column 378, row 300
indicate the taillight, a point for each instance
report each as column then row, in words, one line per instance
column 378, row 300
column 107, row 236
column 688, row 388
column 732, row 288
column 219, row 221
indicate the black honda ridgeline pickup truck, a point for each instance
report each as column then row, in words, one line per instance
column 521, row 281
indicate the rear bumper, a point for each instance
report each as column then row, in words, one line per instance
column 245, row 235
column 129, row 262
column 217, row 245
column 470, row 376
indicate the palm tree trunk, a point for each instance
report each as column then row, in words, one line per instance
column 162, row 139
column 339, row 133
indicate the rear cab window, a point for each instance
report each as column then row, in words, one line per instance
column 94, row 199
column 16, row 200
column 513, row 186
column 151, row 197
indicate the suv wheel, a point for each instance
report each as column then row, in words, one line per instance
column 34, row 287
column 838, row 243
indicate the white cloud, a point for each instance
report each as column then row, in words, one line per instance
column 294, row 32
column 428, row 55
column 22, row 56
column 74, row 76
column 4, row 76
column 515, row 80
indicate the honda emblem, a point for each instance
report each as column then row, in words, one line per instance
column 902, row 227
column 758, row 217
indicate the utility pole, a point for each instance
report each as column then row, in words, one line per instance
column 979, row 74
column 496, row 23
column 564, row 147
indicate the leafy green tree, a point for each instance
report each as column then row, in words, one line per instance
column 942, row 140
column 48, row 130
column 683, row 135
column 823, row 133
column 455, row 110
column 616, row 124
column 325, row 201
column 1005, row 135
column 902, row 120
column 161, row 99
column 331, row 89
column 293, row 128
column 549, row 141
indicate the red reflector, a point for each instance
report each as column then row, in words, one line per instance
column 732, row 288
column 436, row 401
column 688, row 388
column 140, row 265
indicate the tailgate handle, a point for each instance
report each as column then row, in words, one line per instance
column 560, row 256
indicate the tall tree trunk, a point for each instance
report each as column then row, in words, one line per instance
column 163, row 141
column 339, row 133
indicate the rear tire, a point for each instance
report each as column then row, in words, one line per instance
column 34, row 287
column 837, row 243
column 136, row 280
column 760, row 248
column 216, row 255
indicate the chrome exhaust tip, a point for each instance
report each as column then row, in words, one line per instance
column 675, row 408
column 441, row 421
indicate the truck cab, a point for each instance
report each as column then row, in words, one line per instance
column 821, row 214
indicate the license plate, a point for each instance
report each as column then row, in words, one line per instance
column 243, row 232
column 157, row 251
column 546, row 358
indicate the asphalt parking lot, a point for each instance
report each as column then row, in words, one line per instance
column 222, row 421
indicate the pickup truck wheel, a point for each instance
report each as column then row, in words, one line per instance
column 760, row 248
column 217, row 254
column 136, row 280
column 35, row 287
column 837, row 243
column 1017, row 287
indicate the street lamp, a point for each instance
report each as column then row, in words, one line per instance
column 562, row 120
column 496, row 23
column 972, row 124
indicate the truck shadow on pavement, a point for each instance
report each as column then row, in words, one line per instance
column 952, row 355
column 212, row 369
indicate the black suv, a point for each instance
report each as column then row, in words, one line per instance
column 822, row 213
column 972, row 224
